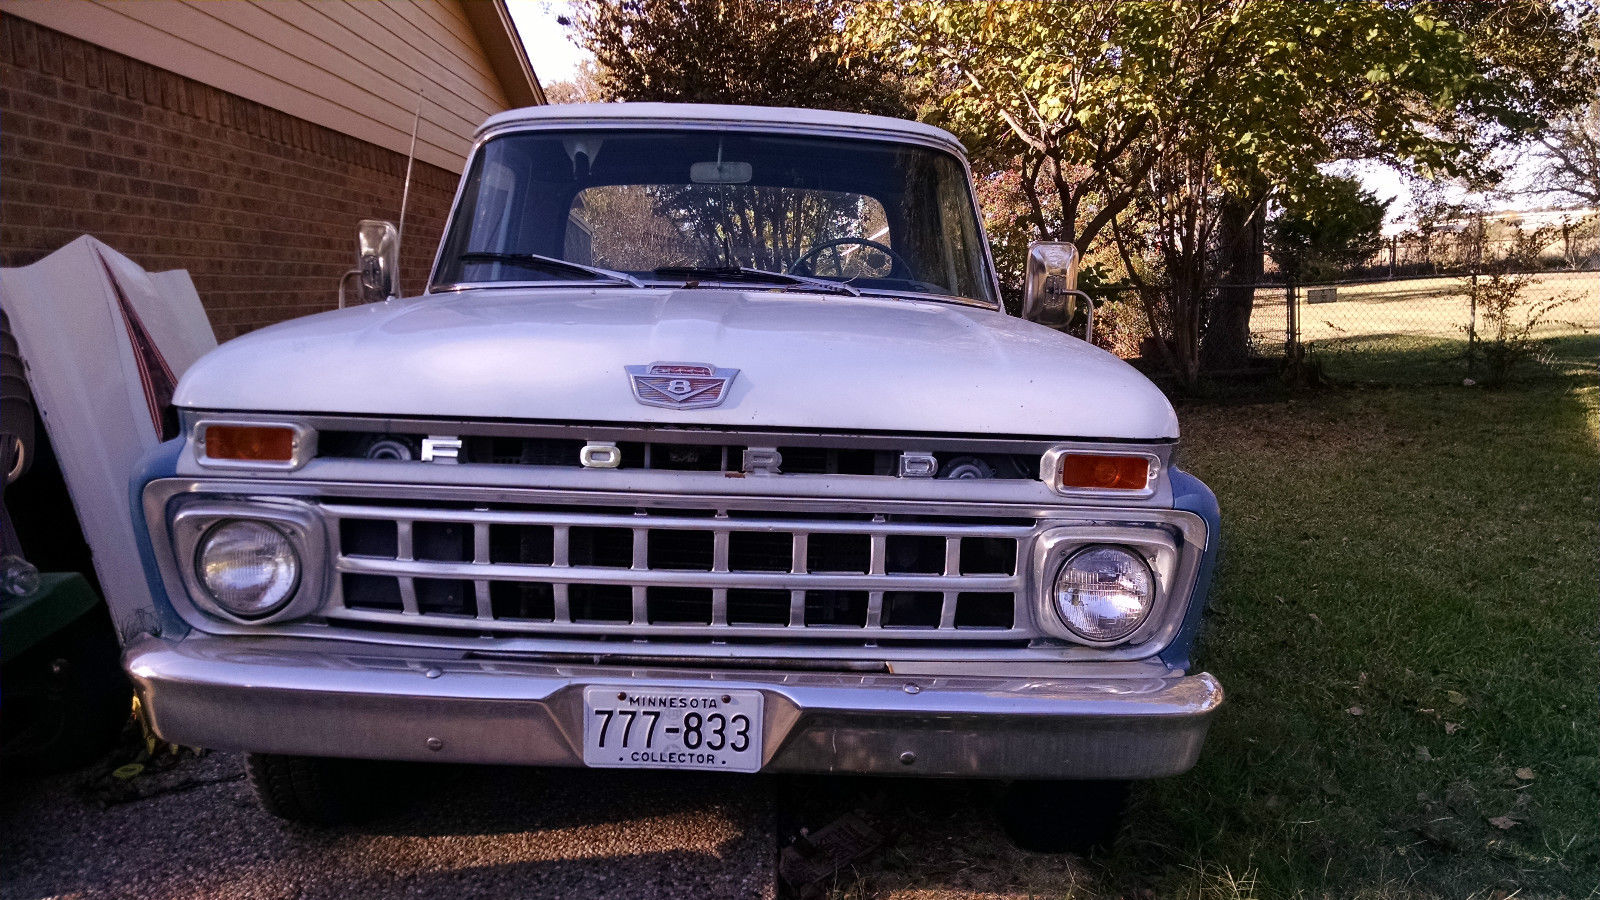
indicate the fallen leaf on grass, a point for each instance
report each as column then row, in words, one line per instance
column 1423, row 755
column 1504, row 823
column 1524, row 774
column 1455, row 697
column 1451, row 727
column 1355, row 710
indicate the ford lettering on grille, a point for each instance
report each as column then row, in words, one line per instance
column 680, row 385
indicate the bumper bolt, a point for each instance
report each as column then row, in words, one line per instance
column 913, row 689
column 432, row 673
column 435, row 744
column 907, row 758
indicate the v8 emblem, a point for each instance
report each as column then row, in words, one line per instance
column 680, row 385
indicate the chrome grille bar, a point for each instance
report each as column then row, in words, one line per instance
column 681, row 575
column 467, row 571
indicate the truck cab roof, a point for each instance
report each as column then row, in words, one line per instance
column 815, row 121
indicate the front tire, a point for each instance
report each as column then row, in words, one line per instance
column 1063, row 816
column 317, row 791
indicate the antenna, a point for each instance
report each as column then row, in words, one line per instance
column 411, row 157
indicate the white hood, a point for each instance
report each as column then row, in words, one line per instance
column 805, row 361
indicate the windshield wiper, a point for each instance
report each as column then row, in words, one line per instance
column 548, row 264
column 745, row 273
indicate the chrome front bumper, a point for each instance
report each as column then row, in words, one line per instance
column 324, row 698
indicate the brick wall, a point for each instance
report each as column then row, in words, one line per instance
column 259, row 206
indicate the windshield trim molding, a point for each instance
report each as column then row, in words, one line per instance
column 704, row 285
column 951, row 148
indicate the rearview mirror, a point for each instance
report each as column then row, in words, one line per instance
column 720, row 172
column 377, row 260
column 1050, row 294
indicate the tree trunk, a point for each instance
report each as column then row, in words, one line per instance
column 1227, row 342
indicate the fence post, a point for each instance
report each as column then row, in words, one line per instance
column 1291, row 305
column 1472, row 296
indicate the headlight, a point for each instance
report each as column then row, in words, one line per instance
column 250, row 568
column 1104, row 593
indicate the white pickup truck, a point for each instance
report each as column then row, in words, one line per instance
column 710, row 445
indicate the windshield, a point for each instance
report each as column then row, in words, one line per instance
column 687, row 207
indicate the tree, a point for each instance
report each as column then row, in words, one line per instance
column 1569, row 156
column 582, row 87
column 1327, row 231
column 1167, row 126
column 759, row 52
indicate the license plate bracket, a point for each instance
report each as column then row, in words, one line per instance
column 672, row 728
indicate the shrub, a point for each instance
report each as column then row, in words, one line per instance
column 1501, row 337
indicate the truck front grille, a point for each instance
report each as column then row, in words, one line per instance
column 680, row 573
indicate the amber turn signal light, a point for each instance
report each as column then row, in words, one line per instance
column 252, row 443
column 1104, row 473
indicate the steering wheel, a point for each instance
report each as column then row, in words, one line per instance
column 898, row 267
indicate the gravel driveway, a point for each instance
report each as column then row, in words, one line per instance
column 476, row 832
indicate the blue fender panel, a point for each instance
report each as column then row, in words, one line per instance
column 1191, row 495
column 160, row 462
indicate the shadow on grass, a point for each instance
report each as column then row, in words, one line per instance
column 1398, row 359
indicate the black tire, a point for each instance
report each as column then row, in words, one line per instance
column 65, row 701
column 1063, row 816
column 318, row 791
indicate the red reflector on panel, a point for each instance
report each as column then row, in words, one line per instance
column 259, row 443
column 1115, row 473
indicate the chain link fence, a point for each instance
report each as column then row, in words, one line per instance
column 1425, row 310
column 1439, row 328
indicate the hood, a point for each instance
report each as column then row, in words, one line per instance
column 804, row 361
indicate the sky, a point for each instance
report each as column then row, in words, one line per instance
column 555, row 58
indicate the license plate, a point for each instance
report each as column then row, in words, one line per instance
column 644, row 728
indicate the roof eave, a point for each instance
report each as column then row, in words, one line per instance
column 497, row 34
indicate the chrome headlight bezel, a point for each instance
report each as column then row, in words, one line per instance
column 1171, row 573
column 193, row 522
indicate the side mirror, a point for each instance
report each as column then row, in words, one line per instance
column 1050, row 294
column 377, row 260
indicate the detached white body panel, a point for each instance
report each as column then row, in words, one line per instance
column 73, row 313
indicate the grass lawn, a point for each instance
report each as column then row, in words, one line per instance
column 1406, row 623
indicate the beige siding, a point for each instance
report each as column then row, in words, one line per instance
column 355, row 66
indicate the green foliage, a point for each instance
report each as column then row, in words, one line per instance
column 1090, row 94
column 1501, row 338
column 757, row 52
column 1149, row 119
column 1323, row 232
